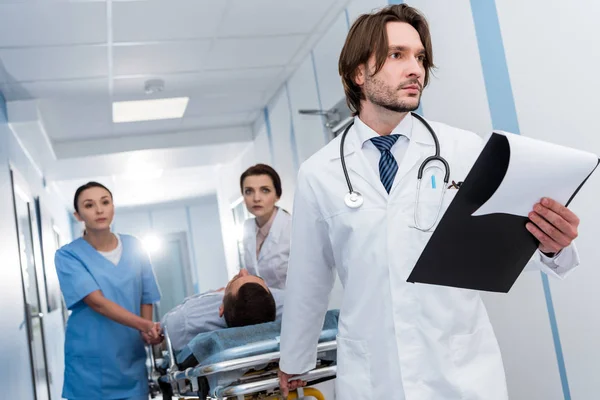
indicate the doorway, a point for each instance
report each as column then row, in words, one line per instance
column 171, row 263
column 27, row 236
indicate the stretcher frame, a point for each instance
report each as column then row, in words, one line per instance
column 239, row 377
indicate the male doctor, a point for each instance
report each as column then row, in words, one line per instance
column 396, row 340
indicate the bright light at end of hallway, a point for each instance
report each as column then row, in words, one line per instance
column 140, row 170
column 152, row 243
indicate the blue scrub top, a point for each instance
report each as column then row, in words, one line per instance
column 104, row 359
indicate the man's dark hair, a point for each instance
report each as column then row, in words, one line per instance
column 251, row 305
column 368, row 36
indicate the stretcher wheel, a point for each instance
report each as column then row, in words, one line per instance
column 203, row 388
column 166, row 390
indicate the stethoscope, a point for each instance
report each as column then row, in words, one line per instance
column 354, row 199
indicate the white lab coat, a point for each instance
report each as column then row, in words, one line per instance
column 396, row 340
column 272, row 262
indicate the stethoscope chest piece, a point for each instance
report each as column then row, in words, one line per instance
column 353, row 199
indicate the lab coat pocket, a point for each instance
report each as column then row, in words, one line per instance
column 478, row 365
column 353, row 370
column 431, row 207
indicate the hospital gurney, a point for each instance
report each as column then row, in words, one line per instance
column 237, row 363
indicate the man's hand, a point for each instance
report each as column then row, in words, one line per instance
column 285, row 385
column 554, row 225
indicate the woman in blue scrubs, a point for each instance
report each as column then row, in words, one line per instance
column 108, row 283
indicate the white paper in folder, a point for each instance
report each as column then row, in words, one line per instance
column 538, row 169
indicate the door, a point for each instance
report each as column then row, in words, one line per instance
column 50, row 242
column 27, row 234
column 171, row 265
column 51, row 299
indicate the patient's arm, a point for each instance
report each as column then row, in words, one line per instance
column 198, row 314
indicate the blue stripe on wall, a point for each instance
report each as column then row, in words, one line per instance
column 295, row 156
column 347, row 18
column 72, row 223
column 269, row 135
column 493, row 63
column 314, row 64
column 191, row 247
column 3, row 110
column 504, row 117
column 395, row 1
column 419, row 109
column 556, row 337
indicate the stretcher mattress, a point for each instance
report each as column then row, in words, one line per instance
column 232, row 343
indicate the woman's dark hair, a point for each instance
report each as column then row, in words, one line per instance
column 88, row 185
column 262, row 169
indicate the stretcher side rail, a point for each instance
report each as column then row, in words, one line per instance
column 238, row 375
column 273, row 383
column 246, row 362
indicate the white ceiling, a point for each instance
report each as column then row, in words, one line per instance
column 229, row 56
column 74, row 58
column 166, row 186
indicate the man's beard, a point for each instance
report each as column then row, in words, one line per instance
column 378, row 93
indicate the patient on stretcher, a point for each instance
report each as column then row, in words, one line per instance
column 226, row 343
column 246, row 300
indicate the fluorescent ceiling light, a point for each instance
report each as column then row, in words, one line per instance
column 149, row 110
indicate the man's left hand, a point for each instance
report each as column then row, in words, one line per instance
column 554, row 225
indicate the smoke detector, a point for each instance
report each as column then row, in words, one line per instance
column 153, row 86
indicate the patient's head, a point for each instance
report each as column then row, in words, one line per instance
column 247, row 301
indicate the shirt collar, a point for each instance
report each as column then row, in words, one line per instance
column 365, row 133
column 264, row 230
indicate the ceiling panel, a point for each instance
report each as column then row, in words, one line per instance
column 159, row 57
column 224, row 103
column 76, row 118
column 203, row 82
column 53, row 63
column 166, row 20
column 171, row 185
column 44, row 24
column 273, row 17
column 173, row 158
column 144, row 127
column 55, row 89
column 253, row 52
column 210, row 121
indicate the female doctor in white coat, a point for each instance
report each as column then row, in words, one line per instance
column 267, row 235
column 396, row 340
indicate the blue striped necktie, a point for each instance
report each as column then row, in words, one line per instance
column 387, row 163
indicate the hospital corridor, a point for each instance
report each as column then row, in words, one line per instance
column 314, row 199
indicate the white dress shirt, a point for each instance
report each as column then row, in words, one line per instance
column 372, row 153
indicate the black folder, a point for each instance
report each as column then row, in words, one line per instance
column 486, row 252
